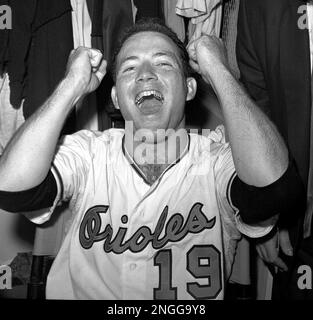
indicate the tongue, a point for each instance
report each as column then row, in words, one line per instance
column 150, row 105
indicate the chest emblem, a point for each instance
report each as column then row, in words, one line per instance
column 175, row 229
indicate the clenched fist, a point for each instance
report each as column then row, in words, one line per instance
column 207, row 54
column 85, row 69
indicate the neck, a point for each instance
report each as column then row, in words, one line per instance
column 161, row 151
column 154, row 158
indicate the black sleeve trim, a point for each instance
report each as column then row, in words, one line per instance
column 57, row 172
column 228, row 190
column 286, row 197
column 37, row 198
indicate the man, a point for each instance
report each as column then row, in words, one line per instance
column 273, row 51
column 155, row 209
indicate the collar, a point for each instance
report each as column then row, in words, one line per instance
column 139, row 171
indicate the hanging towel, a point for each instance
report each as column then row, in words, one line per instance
column 81, row 23
column 86, row 109
column 206, row 15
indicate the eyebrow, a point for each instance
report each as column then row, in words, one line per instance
column 155, row 55
column 166, row 53
column 130, row 58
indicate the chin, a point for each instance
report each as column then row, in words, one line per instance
column 151, row 125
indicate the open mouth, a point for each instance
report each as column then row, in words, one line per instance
column 148, row 95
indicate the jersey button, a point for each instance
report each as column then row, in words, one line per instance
column 132, row 266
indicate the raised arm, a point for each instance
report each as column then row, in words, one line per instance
column 259, row 152
column 28, row 156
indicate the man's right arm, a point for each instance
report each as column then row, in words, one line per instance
column 27, row 158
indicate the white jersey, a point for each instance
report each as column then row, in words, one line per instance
column 174, row 239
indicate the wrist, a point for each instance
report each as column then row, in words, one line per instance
column 216, row 69
column 73, row 88
column 68, row 93
column 214, row 73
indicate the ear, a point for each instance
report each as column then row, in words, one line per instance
column 114, row 97
column 191, row 88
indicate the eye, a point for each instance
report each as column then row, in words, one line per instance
column 164, row 64
column 128, row 69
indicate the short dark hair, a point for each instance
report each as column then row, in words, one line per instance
column 152, row 25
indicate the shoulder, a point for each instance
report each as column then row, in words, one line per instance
column 88, row 136
column 87, row 141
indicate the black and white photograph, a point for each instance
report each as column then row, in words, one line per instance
column 156, row 154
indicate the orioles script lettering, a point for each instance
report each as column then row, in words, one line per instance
column 175, row 229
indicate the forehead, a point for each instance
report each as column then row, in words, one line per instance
column 147, row 42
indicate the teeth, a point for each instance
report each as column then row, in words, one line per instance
column 142, row 95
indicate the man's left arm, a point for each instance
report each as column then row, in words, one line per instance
column 260, row 155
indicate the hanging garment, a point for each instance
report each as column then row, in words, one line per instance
column 109, row 20
column 151, row 8
column 172, row 20
column 206, row 15
column 191, row 8
column 86, row 109
column 23, row 13
column 229, row 34
column 51, row 44
column 81, row 23
column 39, row 44
column 29, row 17
column 10, row 118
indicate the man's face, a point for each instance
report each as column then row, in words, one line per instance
column 151, row 89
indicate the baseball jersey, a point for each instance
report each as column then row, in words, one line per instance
column 174, row 239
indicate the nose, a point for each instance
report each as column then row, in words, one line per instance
column 146, row 72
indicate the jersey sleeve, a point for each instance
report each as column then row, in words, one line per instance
column 225, row 174
column 70, row 169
